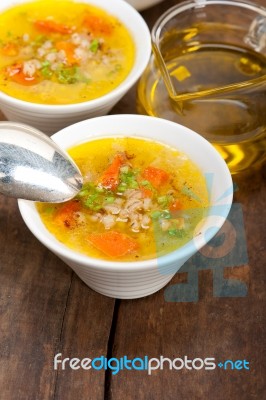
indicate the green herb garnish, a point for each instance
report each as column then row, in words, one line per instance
column 67, row 75
column 122, row 188
column 45, row 70
column 70, row 75
column 40, row 39
column 94, row 45
column 163, row 201
column 178, row 233
column 156, row 214
column 110, row 199
column 165, row 214
column 128, row 178
column 147, row 185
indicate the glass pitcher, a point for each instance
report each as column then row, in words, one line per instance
column 208, row 72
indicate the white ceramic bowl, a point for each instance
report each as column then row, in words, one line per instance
column 143, row 4
column 51, row 118
column 127, row 280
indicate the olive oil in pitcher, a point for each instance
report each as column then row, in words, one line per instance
column 216, row 89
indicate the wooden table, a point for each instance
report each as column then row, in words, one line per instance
column 46, row 309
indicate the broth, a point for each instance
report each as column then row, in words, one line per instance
column 140, row 200
column 62, row 52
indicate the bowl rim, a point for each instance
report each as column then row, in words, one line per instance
column 136, row 70
column 184, row 252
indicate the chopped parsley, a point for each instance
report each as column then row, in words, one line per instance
column 94, row 46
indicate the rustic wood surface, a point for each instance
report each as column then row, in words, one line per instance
column 46, row 309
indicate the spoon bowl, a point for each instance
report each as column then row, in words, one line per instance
column 33, row 167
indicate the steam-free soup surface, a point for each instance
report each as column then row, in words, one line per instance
column 141, row 199
column 61, row 52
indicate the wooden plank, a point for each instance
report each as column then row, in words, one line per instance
column 37, row 299
column 34, row 288
column 85, row 334
column 224, row 328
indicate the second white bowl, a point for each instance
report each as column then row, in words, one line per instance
column 51, row 118
column 143, row 4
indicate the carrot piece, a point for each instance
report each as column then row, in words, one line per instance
column 65, row 215
column 112, row 243
column 69, row 49
column 10, row 49
column 157, row 177
column 175, row 205
column 52, row 26
column 98, row 25
column 146, row 192
column 16, row 74
column 110, row 178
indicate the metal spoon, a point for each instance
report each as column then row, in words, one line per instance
column 33, row 167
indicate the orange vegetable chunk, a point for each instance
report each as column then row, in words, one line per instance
column 110, row 178
column 69, row 49
column 97, row 25
column 157, row 177
column 10, row 49
column 65, row 215
column 112, row 243
column 146, row 193
column 175, row 205
column 16, row 74
column 52, row 26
